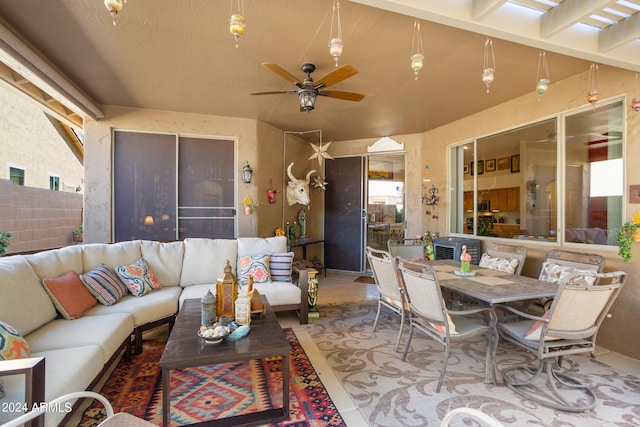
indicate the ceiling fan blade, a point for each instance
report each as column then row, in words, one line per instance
column 336, row 76
column 282, row 73
column 338, row 94
column 274, row 92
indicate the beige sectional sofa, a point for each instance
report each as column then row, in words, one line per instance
column 77, row 352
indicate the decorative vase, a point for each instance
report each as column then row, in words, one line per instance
column 636, row 235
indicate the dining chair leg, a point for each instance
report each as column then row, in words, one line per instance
column 402, row 316
column 445, row 363
column 375, row 322
column 406, row 349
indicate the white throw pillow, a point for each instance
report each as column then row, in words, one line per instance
column 501, row 264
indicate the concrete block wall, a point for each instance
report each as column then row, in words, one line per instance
column 38, row 218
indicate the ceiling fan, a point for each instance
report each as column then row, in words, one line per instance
column 308, row 90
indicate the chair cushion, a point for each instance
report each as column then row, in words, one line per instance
column 104, row 284
column 138, row 278
column 497, row 263
column 256, row 266
column 12, row 344
column 554, row 273
column 69, row 295
column 280, row 266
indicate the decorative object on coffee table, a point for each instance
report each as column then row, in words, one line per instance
column 465, row 260
column 209, row 309
column 243, row 307
column 313, row 293
column 227, row 292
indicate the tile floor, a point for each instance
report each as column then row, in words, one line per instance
column 338, row 287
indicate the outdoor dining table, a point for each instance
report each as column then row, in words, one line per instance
column 490, row 286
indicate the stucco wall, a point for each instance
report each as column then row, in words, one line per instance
column 29, row 140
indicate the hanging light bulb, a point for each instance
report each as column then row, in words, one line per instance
column 335, row 42
column 236, row 22
column 114, row 7
column 542, row 83
column 635, row 102
column 489, row 65
column 593, row 94
column 417, row 55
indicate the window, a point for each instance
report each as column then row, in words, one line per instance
column 538, row 183
column 16, row 175
column 54, row 183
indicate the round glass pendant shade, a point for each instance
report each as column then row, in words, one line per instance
column 542, row 86
column 417, row 62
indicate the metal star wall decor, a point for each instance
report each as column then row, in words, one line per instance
column 320, row 152
column 319, row 183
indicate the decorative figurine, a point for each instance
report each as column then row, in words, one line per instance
column 227, row 292
column 302, row 218
column 312, row 283
column 209, row 309
column 465, row 260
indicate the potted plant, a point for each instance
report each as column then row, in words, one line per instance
column 78, row 234
column 626, row 237
column 5, row 239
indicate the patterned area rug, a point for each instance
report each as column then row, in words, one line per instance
column 217, row 391
column 390, row 392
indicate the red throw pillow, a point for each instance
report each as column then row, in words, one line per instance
column 69, row 295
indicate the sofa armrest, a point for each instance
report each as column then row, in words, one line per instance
column 33, row 369
column 303, row 284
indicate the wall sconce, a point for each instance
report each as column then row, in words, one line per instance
column 148, row 220
column 247, row 172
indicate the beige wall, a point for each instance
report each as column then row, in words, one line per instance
column 29, row 140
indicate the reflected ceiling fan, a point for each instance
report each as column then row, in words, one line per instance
column 308, row 90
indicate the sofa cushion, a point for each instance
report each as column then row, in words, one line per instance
column 67, row 370
column 115, row 254
column 196, row 291
column 138, row 278
column 12, row 343
column 69, row 295
column 260, row 246
column 57, row 262
column 149, row 308
column 20, row 284
column 280, row 293
column 104, row 284
column 280, row 266
column 165, row 259
column 204, row 260
column 108, row 331
column 256, row 266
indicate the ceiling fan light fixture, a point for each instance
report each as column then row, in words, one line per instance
column 114, row 7
column 335, row 41
column 307, row 99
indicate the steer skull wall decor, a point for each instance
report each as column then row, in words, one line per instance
column 298, row 189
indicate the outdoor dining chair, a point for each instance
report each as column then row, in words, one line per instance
column 406, row 248
column 569, row 327
column 428, row 314
column 558, row 264
column 390, row 294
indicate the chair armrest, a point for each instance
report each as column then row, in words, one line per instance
column 33, row 368
column 303, row 284
column 493, row 319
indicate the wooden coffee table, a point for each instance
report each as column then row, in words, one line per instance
column 186, row 349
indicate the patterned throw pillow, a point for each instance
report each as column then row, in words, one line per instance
column 256, row 266
column 104, row 285
column 280, row 266
column 138, row 278
column 69, row 295
column 501, row 264
column 554, row 273
column 535, row 330
column 12, row 344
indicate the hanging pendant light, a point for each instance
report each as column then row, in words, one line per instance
column 417, row 54
column 593, row 93
column 489, row 64
column 236, row 22
column 114, row 7
column 542, row 80
column 635, row 102
column 335, row 41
